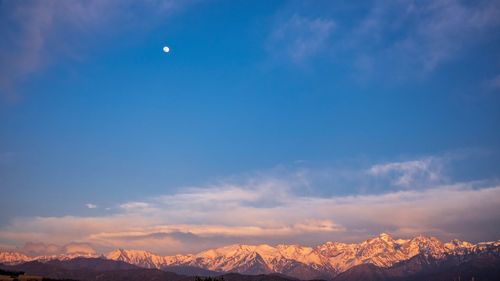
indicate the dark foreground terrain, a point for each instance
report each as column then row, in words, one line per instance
column 478, row 268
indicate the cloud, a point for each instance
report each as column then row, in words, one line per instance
column 384, row 38
column 299, row 38
column 136, row 206
column 423, row 171
column 40, row 249
column 446, row 27
column 43, row 249
column 271, row 210
column 425, row 33
column 91, row 206
column 78, row 248
column 493, row 84
column 36, row 34
column 286, row 206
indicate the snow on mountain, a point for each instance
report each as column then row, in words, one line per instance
column 323, row 261
column 236, row 258
column 137, row 257
column 11, row 257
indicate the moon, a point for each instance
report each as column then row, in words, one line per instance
column 166, row 49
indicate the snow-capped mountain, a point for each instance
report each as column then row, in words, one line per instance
column 140, row 258
column 12, row 257
column 323, row 261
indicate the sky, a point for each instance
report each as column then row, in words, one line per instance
column 267, row 122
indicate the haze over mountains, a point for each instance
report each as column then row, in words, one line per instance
column 326, row 261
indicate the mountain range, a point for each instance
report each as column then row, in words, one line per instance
column 377, row 258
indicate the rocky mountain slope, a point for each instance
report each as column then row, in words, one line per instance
column 324, row 261
column 475, row 266
column 100, row 269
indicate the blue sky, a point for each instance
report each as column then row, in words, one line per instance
column 266, row 104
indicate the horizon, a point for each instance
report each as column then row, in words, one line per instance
column 176, row 126
column 82, row 249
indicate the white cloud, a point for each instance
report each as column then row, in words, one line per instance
column 429, row 33
column 392, row 39
column 446, row 27
column 283, row 206
column 299, row 38
column 427, row 170
column 269, row 211
column 134, row 206
column 90, row 206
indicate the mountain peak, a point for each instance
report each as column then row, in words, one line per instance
column 385, row 236
column 328, row 259
column 13, row 257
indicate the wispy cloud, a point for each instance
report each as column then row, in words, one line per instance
column 298, row 38
column 91, row 206
column 493, row 84
column 36, row 34
column 443, row 29
column 40, row 248
column 274, row 210
column 423, row 35
column 136, row 206
column 427, row 170
column 397, row 37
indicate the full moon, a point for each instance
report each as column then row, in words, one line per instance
column 166, row 49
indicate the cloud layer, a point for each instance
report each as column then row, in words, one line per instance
column 40, row 248
column 273, row 210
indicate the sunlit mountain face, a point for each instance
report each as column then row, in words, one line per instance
column 277, row 139
column 400, row 258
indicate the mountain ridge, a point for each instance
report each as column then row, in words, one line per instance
column 324, row 261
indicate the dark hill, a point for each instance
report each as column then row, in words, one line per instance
column 96, row 269
column 93, row 269
column 484, row 267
